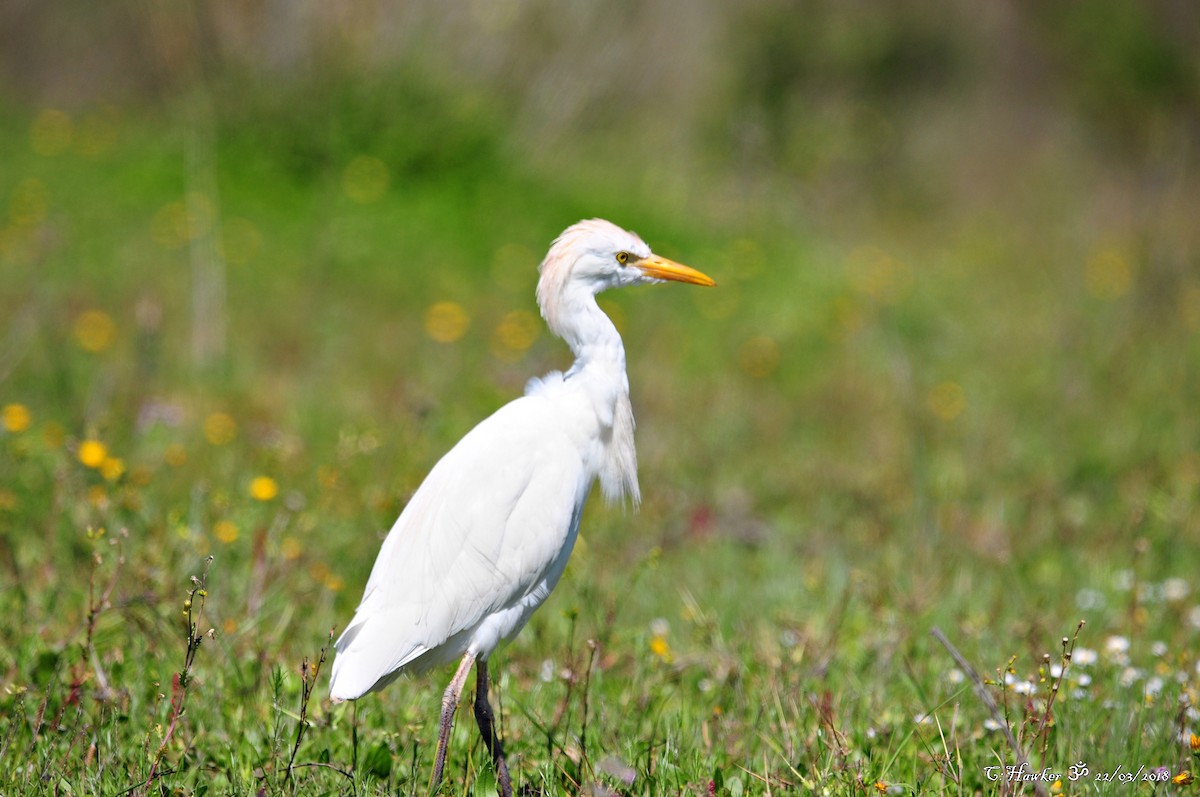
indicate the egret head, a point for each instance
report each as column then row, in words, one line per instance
column 595, row 255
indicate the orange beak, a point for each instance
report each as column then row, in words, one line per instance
column 663, row 269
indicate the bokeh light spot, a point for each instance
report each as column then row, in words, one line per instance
column 176, row 223
column 240, row 241
column 848, row 317
column 446, row 321
column 219, row 429
column 365, row 179
column 96, row 133
column 30, row 202
column 16, row 417
column 947, row 400
column 50, row 133
column 515, row 333
column 759, row 356
column 169, row 226
column 875, row 273
column 1109, row 274
column 94, row 331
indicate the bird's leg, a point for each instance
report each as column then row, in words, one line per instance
column 449, row 704
column 487, row 727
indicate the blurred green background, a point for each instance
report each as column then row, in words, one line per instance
column 275, row 258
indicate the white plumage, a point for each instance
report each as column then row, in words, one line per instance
column 488, row 533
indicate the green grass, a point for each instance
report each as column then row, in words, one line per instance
column 985, row 424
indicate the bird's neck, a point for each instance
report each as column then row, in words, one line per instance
column 599, row 371
column 590, row 333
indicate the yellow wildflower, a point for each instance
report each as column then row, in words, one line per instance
column 660, row 648
column 327, row 476
column 92, row 453
column 16, row 417
column 140, row 475
column 98, row 497
column 1109, row 274
column 319, row 571
column 94, row 331
column 112, row 468
column 263, row 488
column 53, row 434
column 175, row 455
column 947, row 400
column 225, row 531
column 290, row 548
column 1195, row 742
column 219, row 428
column 1184, row 778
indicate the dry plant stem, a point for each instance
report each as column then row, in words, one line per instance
column 593, row 647
column 985, row 696
column 1068, row 652
column 561, row 713
column 308, row 682
column 95, row 607
column 194, row 611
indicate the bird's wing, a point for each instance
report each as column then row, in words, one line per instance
column 483, row 529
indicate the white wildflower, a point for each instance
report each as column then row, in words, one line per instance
column 1176, row 589
column 1088, row 599
column 1084, row 656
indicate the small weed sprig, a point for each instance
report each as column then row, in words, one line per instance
column 988, row 701
column 97, row 605
column 308, row 682
column 193, row 611
column 593, row 648
column 1068, row 650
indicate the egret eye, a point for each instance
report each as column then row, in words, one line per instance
column 622, row 257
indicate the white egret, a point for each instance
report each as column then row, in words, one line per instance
column 488, row 533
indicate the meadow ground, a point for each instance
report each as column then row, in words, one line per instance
column 222, row 378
